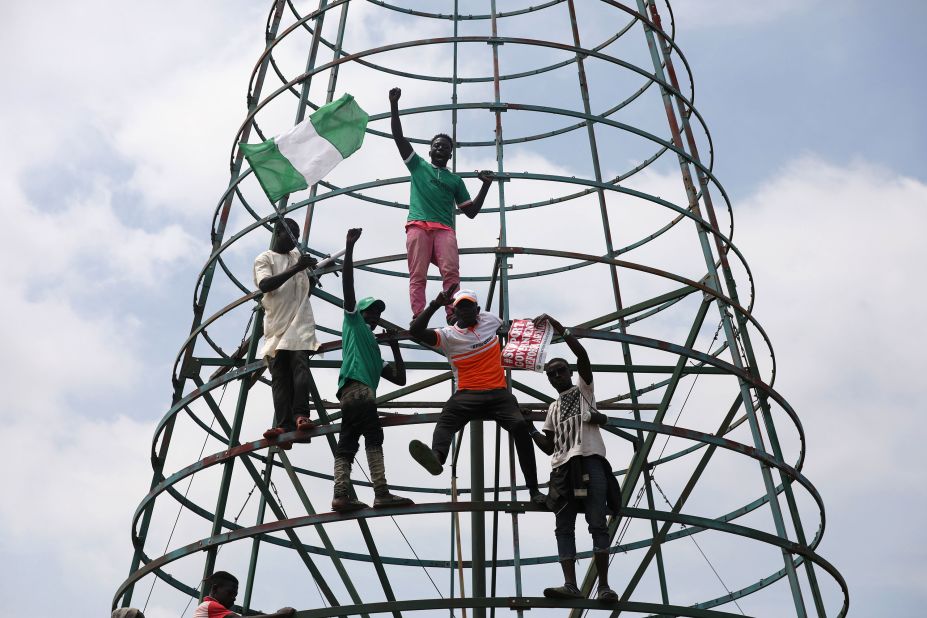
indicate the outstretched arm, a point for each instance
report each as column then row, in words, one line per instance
column 347, row 273
column 395, row 372
column 582, row 358
column 405, row 148
column 472, row 208
column 271, row 283
column 418, row 328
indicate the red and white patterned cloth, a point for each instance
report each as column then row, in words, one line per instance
column 527, row 345
column 211, row 608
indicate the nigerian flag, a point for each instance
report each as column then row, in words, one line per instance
column 306, row 153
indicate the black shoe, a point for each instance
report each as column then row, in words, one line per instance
column 390, row 500
column 538, row 498
column 344, row 504
column 566, row 591
column 423, row 454
column 607, row 594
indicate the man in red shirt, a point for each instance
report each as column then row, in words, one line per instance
column 223, row 588
column 472, row 347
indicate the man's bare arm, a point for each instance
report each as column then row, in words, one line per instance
column 582, row 357
column 395, row 372
column 418, row 328
column 544, row 441
column 269, row 284
column 347, row 272
column 473, row 207
column 405, row 148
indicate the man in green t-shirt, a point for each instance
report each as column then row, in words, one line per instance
column 361, row 370
column 436, row 192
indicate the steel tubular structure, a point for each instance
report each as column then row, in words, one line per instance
column 607, row 214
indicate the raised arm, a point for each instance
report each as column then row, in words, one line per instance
column 271, row 283
column 405, row 148
column 347, row 273
column 582, row 358
column 418, row 328
column 472, row 208
column 395, row 372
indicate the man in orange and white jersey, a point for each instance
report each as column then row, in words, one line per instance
column 473, row 349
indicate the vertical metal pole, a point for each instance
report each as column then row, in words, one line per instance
column 731, row 338
column 455, row 529
column 199, row 308
column 478, row 522
column 454, row 90
column 516, row 548
column 495, row 517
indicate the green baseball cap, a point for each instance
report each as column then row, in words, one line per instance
column 369, row 301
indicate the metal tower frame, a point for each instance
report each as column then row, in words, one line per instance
column 204, row 368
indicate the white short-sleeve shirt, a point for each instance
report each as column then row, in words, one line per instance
column 288, row 320
column 569, row 419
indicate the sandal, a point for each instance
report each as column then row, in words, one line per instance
column 273, row 433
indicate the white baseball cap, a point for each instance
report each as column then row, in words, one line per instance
column 464, row 295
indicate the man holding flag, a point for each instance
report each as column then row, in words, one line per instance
column 292, row 161
column 289, row 327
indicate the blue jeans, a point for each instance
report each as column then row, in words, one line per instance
column 595, row 507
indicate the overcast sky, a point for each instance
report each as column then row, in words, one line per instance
column 119, row 118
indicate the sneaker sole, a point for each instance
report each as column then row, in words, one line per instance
column 351, row 507
column 425, row 457
column 383, row 505
column 550, row 593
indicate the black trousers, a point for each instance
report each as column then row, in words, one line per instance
column 289, row 386
column 358, row 418
column 496, row 405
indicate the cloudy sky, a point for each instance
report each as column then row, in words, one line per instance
column 119, row 118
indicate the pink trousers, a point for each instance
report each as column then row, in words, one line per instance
column 424, row 247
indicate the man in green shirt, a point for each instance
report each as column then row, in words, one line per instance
column 361, row 370
column 436, row 193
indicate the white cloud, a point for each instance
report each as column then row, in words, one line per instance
column 837, row 253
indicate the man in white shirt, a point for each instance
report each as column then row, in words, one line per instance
column 581, row 478
column 289, row 327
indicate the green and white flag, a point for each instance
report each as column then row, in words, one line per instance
column 302, row 156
